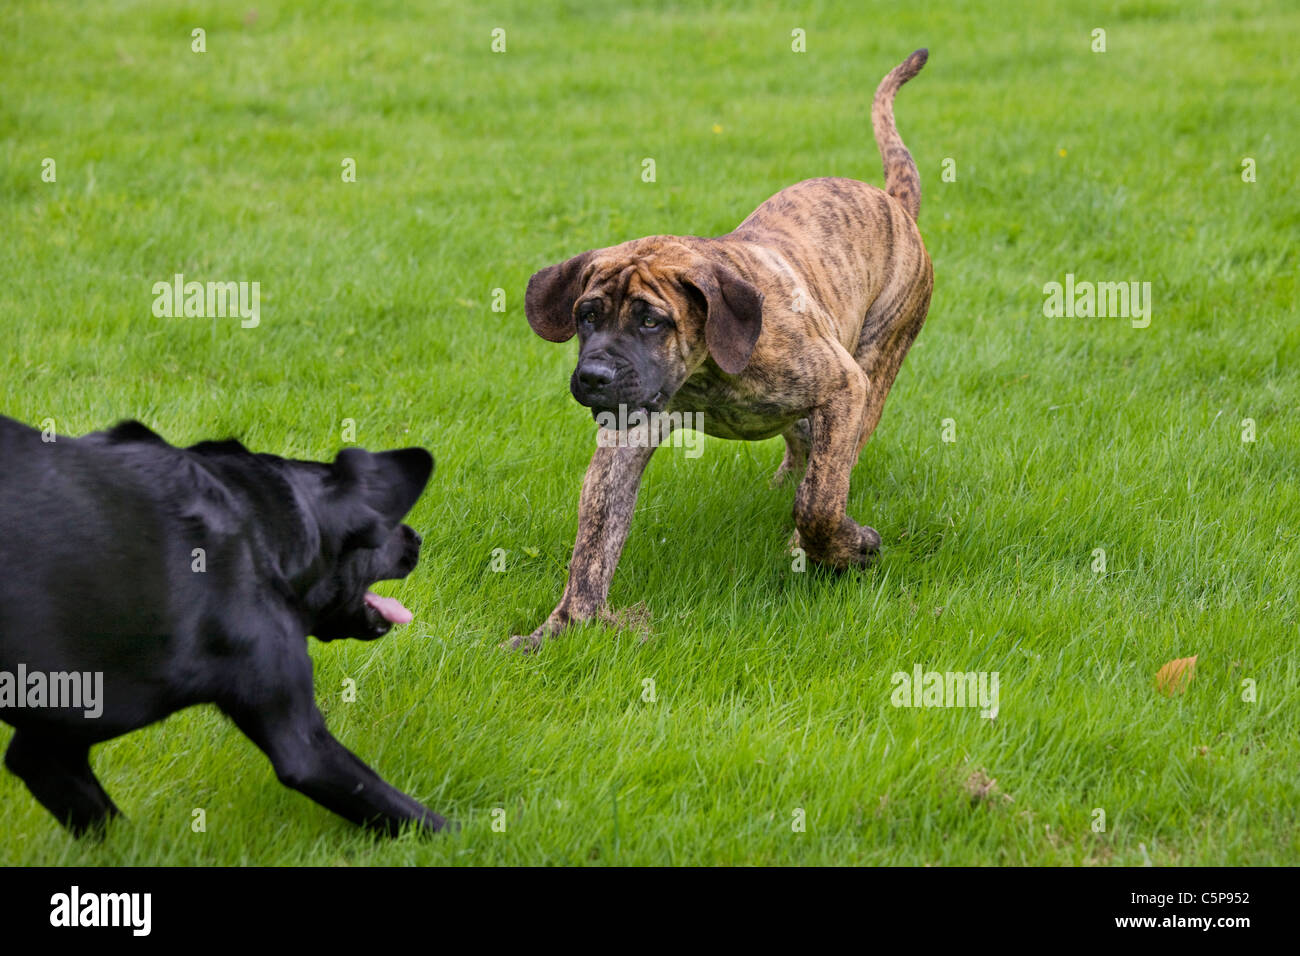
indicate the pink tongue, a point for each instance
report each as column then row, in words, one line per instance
column 391, row 608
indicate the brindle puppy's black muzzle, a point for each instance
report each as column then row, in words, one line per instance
column 606, row 379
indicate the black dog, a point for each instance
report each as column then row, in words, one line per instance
column 180, row 576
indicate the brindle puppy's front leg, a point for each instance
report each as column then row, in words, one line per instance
column 604, row 516
column 824, row 528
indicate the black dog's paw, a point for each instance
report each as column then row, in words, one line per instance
column 93, row 829
column 426, row 823
column 436, row 823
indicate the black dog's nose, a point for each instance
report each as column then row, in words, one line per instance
column 595, row 375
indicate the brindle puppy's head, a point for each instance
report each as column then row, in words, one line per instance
column 648, row 314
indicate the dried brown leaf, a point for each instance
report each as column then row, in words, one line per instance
column 1174, row 677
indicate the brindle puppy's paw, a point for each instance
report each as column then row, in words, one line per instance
column 527, row 643
column 853, row 546
column 868, row 544
column 784, row 475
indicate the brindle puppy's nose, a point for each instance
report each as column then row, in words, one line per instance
column 595, row 374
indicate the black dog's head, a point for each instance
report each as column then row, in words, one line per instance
column 326, row 531
column 647, row 314
column 359, row 502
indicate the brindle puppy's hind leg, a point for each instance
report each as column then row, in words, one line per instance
column 797, row 439
column 890, row 328
column 826, row 532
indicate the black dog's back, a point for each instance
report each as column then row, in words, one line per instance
column 84, row 550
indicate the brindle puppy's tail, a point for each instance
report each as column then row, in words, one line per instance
column 902, row 181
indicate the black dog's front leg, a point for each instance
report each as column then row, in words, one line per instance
column 58, row 774
column 290, row 730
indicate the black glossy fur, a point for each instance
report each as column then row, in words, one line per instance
column 101, row 543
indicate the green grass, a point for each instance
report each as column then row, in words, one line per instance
column 773, row 688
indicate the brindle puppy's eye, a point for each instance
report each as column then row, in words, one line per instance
column 650, row 322
column 588, row 312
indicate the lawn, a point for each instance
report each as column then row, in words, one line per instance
column 768, row 735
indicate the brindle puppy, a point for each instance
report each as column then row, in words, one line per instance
column 795, row 324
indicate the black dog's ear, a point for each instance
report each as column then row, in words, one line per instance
column 126, row 431
column 548, row 303
column 735, row 315
column 384, row 487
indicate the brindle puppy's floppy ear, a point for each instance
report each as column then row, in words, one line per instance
column 548, row 303
column 735, row 315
